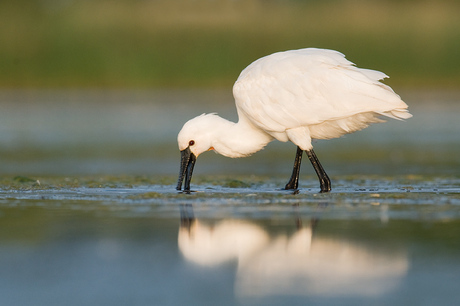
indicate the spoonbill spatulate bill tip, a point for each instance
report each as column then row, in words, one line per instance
column 296, row 96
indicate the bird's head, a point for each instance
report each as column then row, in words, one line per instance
column 196, row 134
column 194, row 138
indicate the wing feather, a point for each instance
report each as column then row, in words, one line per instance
column 310, row 87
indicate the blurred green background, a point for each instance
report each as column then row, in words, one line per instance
column 204, row 43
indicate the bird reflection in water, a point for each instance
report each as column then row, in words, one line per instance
column 299, row 264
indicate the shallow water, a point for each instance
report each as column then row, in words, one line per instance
column 89, row 214
column 125, row 242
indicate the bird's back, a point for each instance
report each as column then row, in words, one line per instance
column 313, row 88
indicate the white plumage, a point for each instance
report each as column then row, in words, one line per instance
column 296, row 95
column 317, row 92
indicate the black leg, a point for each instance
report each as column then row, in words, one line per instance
column 324, row 180
column 294, row 180
column 187, row 217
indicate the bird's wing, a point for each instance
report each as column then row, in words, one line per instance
column 310, row 86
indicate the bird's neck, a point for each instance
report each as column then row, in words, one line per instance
column 239, row 139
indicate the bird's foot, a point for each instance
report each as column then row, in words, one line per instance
column 291, row 186
column 325, row 187
column 187, row 191
column 292, row 190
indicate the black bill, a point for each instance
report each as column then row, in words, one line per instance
column 187, row 162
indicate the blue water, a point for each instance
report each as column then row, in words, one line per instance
column 102, row 247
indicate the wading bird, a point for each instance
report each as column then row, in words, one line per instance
column 296, row 96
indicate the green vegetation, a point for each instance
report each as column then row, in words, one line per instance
column 24, row 183
column 134, row 43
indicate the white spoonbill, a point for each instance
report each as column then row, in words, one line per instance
column 296, row 95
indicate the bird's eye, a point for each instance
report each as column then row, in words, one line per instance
column 191, row 142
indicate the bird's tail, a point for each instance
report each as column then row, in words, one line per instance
column 397, row 113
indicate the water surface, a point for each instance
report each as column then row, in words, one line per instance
column 89, row 214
